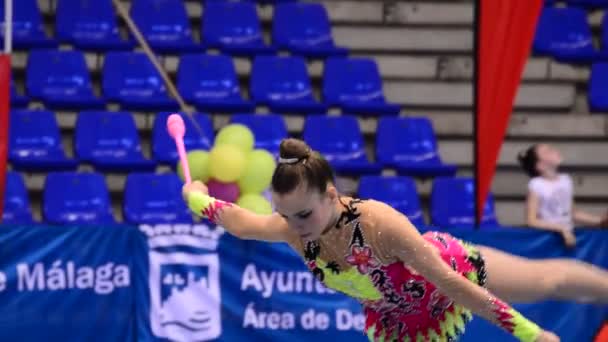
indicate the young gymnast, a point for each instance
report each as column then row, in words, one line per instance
column 550, row 199
column 412, row 287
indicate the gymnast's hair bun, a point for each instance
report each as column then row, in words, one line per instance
column 294, row 149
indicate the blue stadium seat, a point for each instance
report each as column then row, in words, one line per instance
column 35, row 143
column 588, row 3
column 89, row 25
column 18, row 100
column 164, row 24
column 28, row 28
column 211, row 84
column 409, row 145
column 16, row 201
column 283, row 84
column 304, row 29
column 598, row 88
column 398, row 192
column 61, row 80
column 355, row 85
column 339, row 140
column 110, row 141
column 453, row 204
column 565, row 34
column 130, row 79
column 154, row 198
column 76, row 198
column 268, row 129
column 233, row 28
column 163, row 146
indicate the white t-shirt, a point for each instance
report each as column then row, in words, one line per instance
column 554, row 199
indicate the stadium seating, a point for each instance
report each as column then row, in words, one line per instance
column 588, row 3
column 598, row 87
column 17, row 208
column 339, row 140
column 110, row 141
column 76, row 198
column 233, row 28
column 163, row 146
column 130, row 79
column 35, row 143
column 18, row 100
column 210, row 83
column 28, row 29
column 268, row 129
column 453, row 204
column 565, row 34
column 283, row 84
column 355, row 86
column 304, row 29
column 398, row 192
column 409, row 145
column 89, row 25
column 154, row 198
column 61, row 80
column 164, row 24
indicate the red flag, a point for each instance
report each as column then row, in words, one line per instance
column 5, row 96
column 505, row 33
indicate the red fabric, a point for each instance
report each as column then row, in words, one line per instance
column 5, row 96
column 506, row 30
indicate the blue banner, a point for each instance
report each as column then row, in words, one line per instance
column 196, row 283
column 66, row 283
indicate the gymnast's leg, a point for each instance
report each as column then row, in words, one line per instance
column 517, row 279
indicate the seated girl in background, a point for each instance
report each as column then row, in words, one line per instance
column 550, row 199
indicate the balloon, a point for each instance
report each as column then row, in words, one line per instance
column 198, row 160
column 237, row 135
column 258, row 172
column 228, row 192
column 256, row 203
column 226, row 163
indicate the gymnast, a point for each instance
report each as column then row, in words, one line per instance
column 412, row 287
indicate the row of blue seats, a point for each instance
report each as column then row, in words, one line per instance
column 75, row 198
column 61, row 80
column 565, row 34
column 232, row 27
column 110, row 141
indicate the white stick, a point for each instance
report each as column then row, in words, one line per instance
column 8, row 26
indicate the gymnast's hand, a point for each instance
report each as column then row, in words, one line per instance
column 194, row 186
column 547, row 336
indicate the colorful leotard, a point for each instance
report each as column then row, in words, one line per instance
column 399, row 303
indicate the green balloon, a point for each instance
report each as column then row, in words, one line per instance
column 258, row 172
column 236, row 134
column 198, row 160
column 255, row 203
column 226, row 163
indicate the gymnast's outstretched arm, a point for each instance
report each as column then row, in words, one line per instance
column 396, row 236
column 239, row 222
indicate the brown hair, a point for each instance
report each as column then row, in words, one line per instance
column 528, row 160
column 298, row 164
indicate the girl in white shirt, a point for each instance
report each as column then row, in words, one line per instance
column 550, row 194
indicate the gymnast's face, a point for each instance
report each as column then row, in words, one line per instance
column 307, row 211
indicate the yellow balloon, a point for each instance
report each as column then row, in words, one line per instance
column 258, row 172
column 226, row 163
column 255, row 203
column 198, row 160
column 236, row 134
